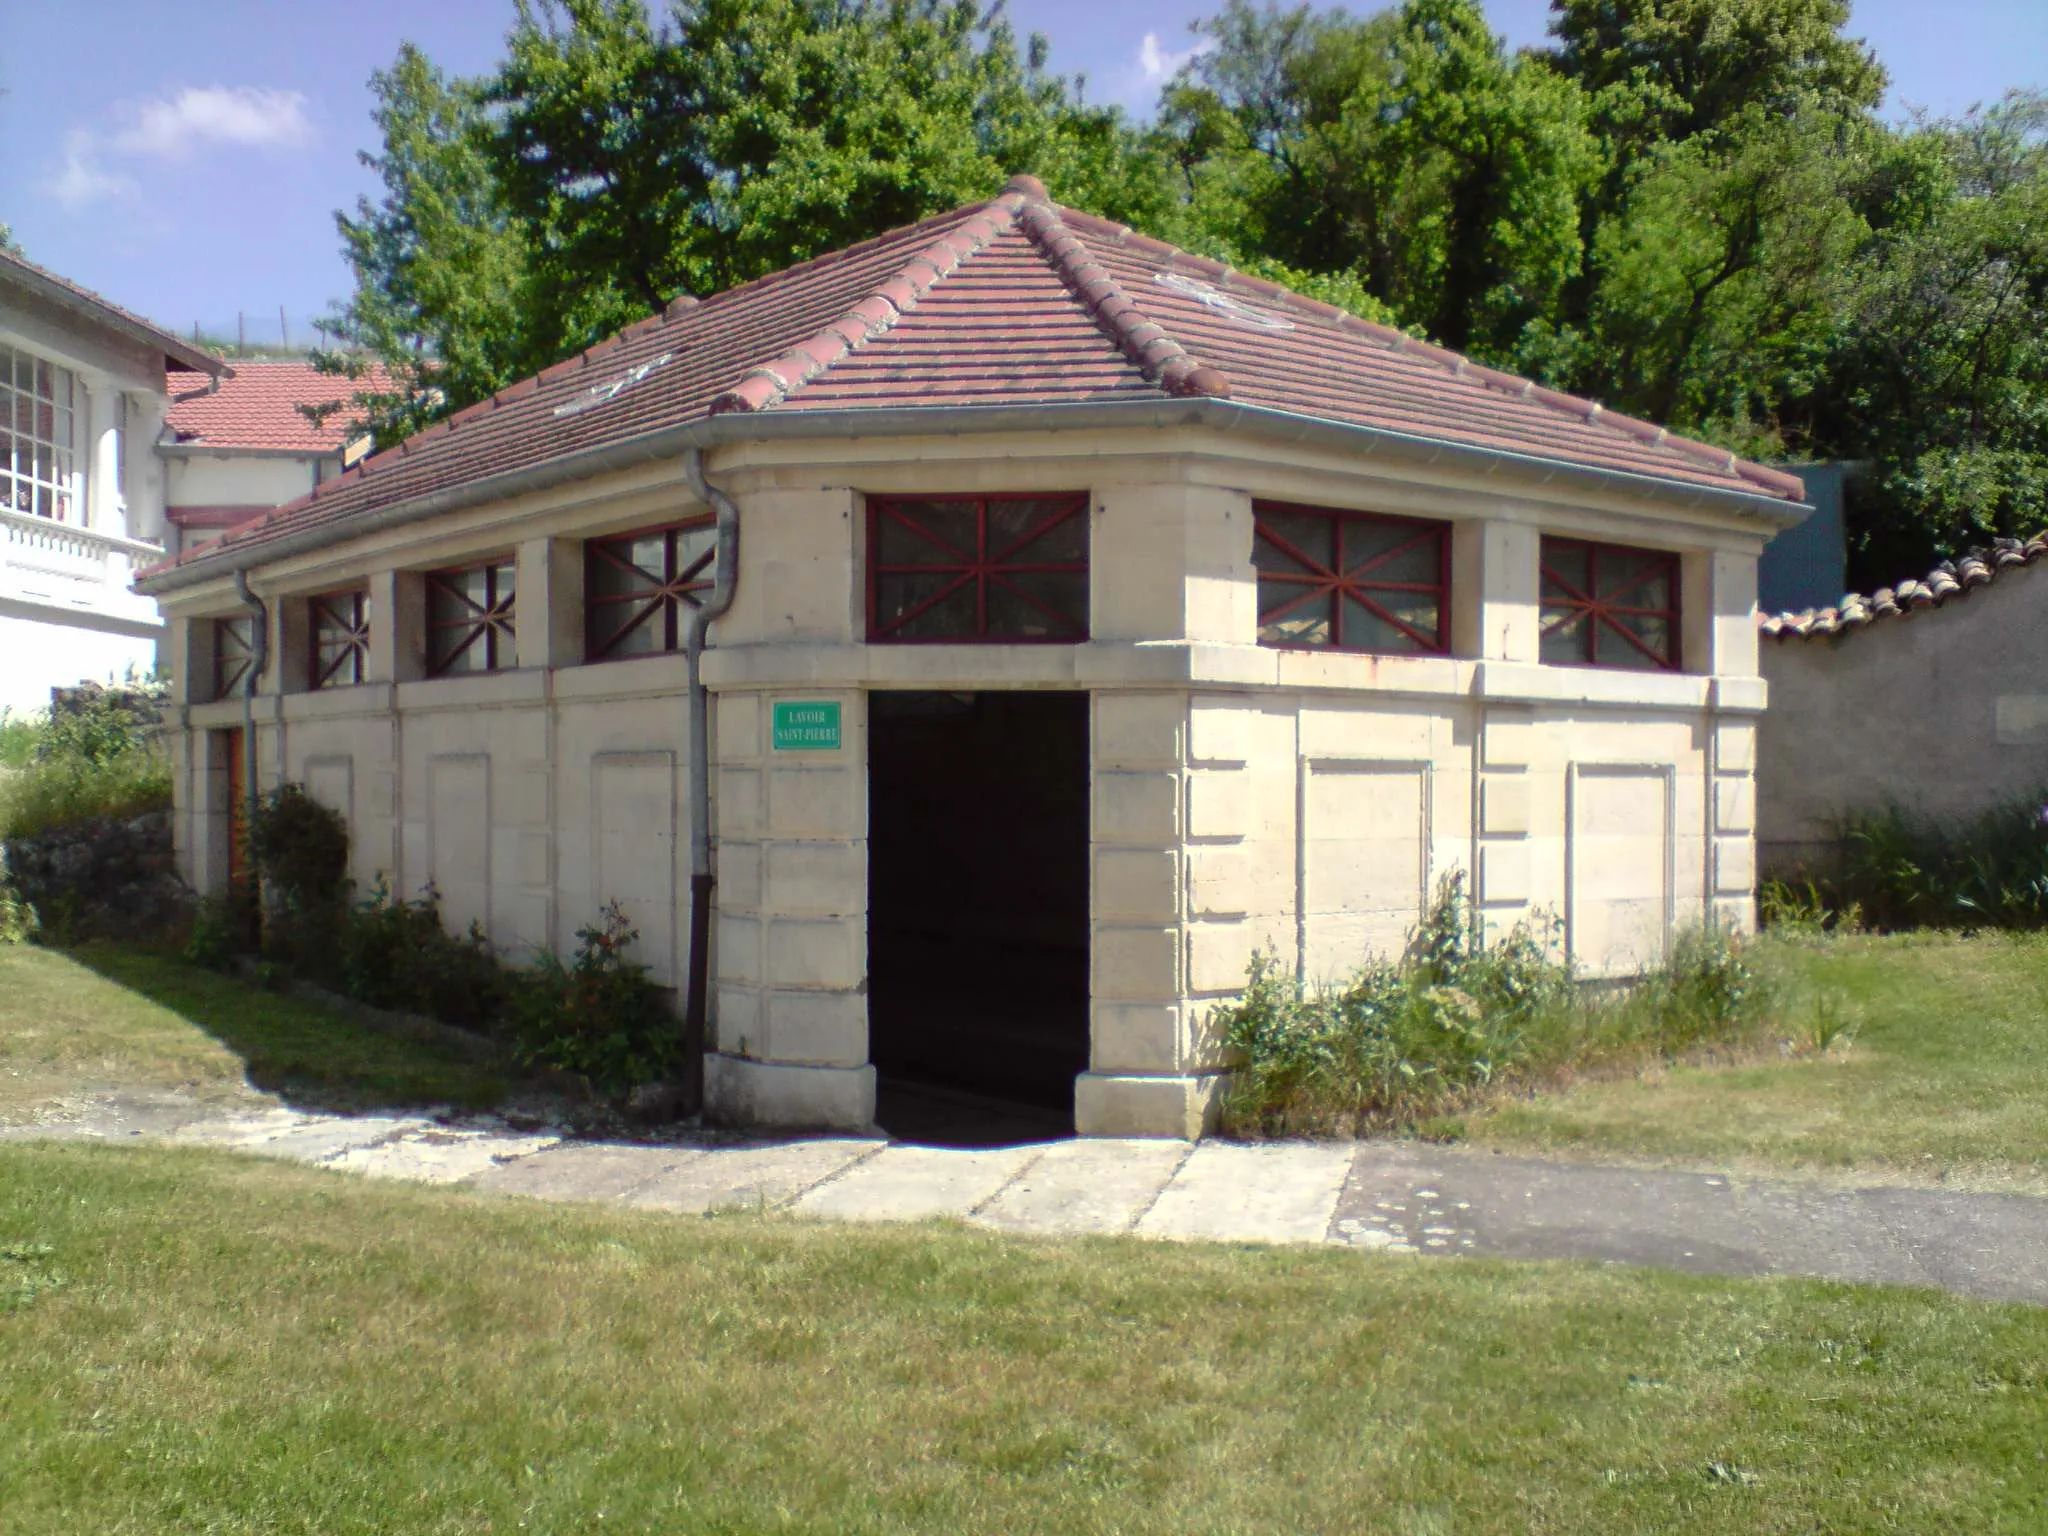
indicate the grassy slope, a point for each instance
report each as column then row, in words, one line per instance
column 250, row 1346
column 1947, row 1076
column 107, row 1017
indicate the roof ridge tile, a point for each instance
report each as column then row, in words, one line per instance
column 1147, row 343
column 1947, row 579
column 769, row 383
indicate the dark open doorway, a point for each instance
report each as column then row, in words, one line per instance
column 977, row 912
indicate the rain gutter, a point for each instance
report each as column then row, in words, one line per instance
column 963, row 421
column 725, row 567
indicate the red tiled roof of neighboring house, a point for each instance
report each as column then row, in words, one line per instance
column 259, row 408
column 1015, row 301
column 1948, row 580
column 61, row 291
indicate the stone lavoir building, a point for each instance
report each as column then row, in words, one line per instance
column 1088, row 616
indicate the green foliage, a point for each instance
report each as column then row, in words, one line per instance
column 26, row 1274
column 300, row 848
column 598, row 1015
column 396, row 954
column 611, row 163
column 1399, row 1043
column 1687, row 208
column 1406, row 151
column 220, row 931
column 1895, row 870
column 96, row 757
column 19, row 736
column 63, row 791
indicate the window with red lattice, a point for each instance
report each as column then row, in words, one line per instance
column 1605, row 605
column 472, row 619
column 1351, row 581
column 639, row 589
column 992, row 570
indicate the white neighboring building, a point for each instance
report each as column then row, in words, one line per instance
column 82, row 398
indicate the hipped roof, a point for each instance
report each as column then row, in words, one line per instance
column 1015, row 302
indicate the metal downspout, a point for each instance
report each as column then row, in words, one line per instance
column 259, row 659
column 725, row 577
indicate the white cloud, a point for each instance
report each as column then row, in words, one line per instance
column 1156, row 65
column 172, row 127
column 84, row 181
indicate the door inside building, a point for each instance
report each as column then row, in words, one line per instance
column 977, row 911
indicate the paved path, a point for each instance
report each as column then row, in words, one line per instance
column 1392, row 1197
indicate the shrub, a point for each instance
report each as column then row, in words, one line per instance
column 19, row 737
column 299, row 847
column 1401, row 1041
column 599, row 1015
column 392, row 953
column 55, row 792
column 220, row 932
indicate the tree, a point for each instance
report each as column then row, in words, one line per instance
column 1405, row 150
column 442, row 294
column 612, row 163
column 1940, row 372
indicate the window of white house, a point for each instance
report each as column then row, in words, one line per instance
column 38, row 426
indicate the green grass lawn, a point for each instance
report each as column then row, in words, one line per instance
column 103, row 1016
column 1946, row 1076
column 240, row 1345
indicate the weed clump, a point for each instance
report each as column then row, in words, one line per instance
column 1401, row 1043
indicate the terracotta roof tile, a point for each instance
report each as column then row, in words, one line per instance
column 259, row 408
column 1951, row 579
column 1013, row 301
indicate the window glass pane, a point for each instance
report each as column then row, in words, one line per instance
column 632, row 629
column 506, row 580
column 1564, row 639
column 1652, row 630
column 952, row 616
column 1309, row 541
column 1566, row 570
column 695, row 548
column 1038, row 605
column 1306, row 624
column 613, row 578
column 1011, row 534
column 1367, row 630
column 925, row 533
column 1635, row 581
column 1418, row 560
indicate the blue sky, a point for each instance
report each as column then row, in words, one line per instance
column 193, row 170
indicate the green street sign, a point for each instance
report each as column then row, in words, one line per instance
column 806, row 727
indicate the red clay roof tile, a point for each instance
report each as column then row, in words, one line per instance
column 259, row 408
column 1014, row 301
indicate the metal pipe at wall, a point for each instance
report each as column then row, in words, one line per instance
column 259, row 659
column 724, row 579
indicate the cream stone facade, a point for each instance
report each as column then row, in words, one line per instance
column 1241, row 797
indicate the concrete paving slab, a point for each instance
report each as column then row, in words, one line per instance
column 321, row 1141
column 236, row 1130
column 752, row 1176
column 438, row 1155
column 583, row 1170
column 912, row 1183
column 1271, row 1192
column 1086, row 1186
column 1994, row 1246
column 1447, row 1201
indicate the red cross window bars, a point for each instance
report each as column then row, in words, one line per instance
column 1350, row 581
column 472, row 620
column 988, row 570
column 1606, row 606
column 639, row 588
